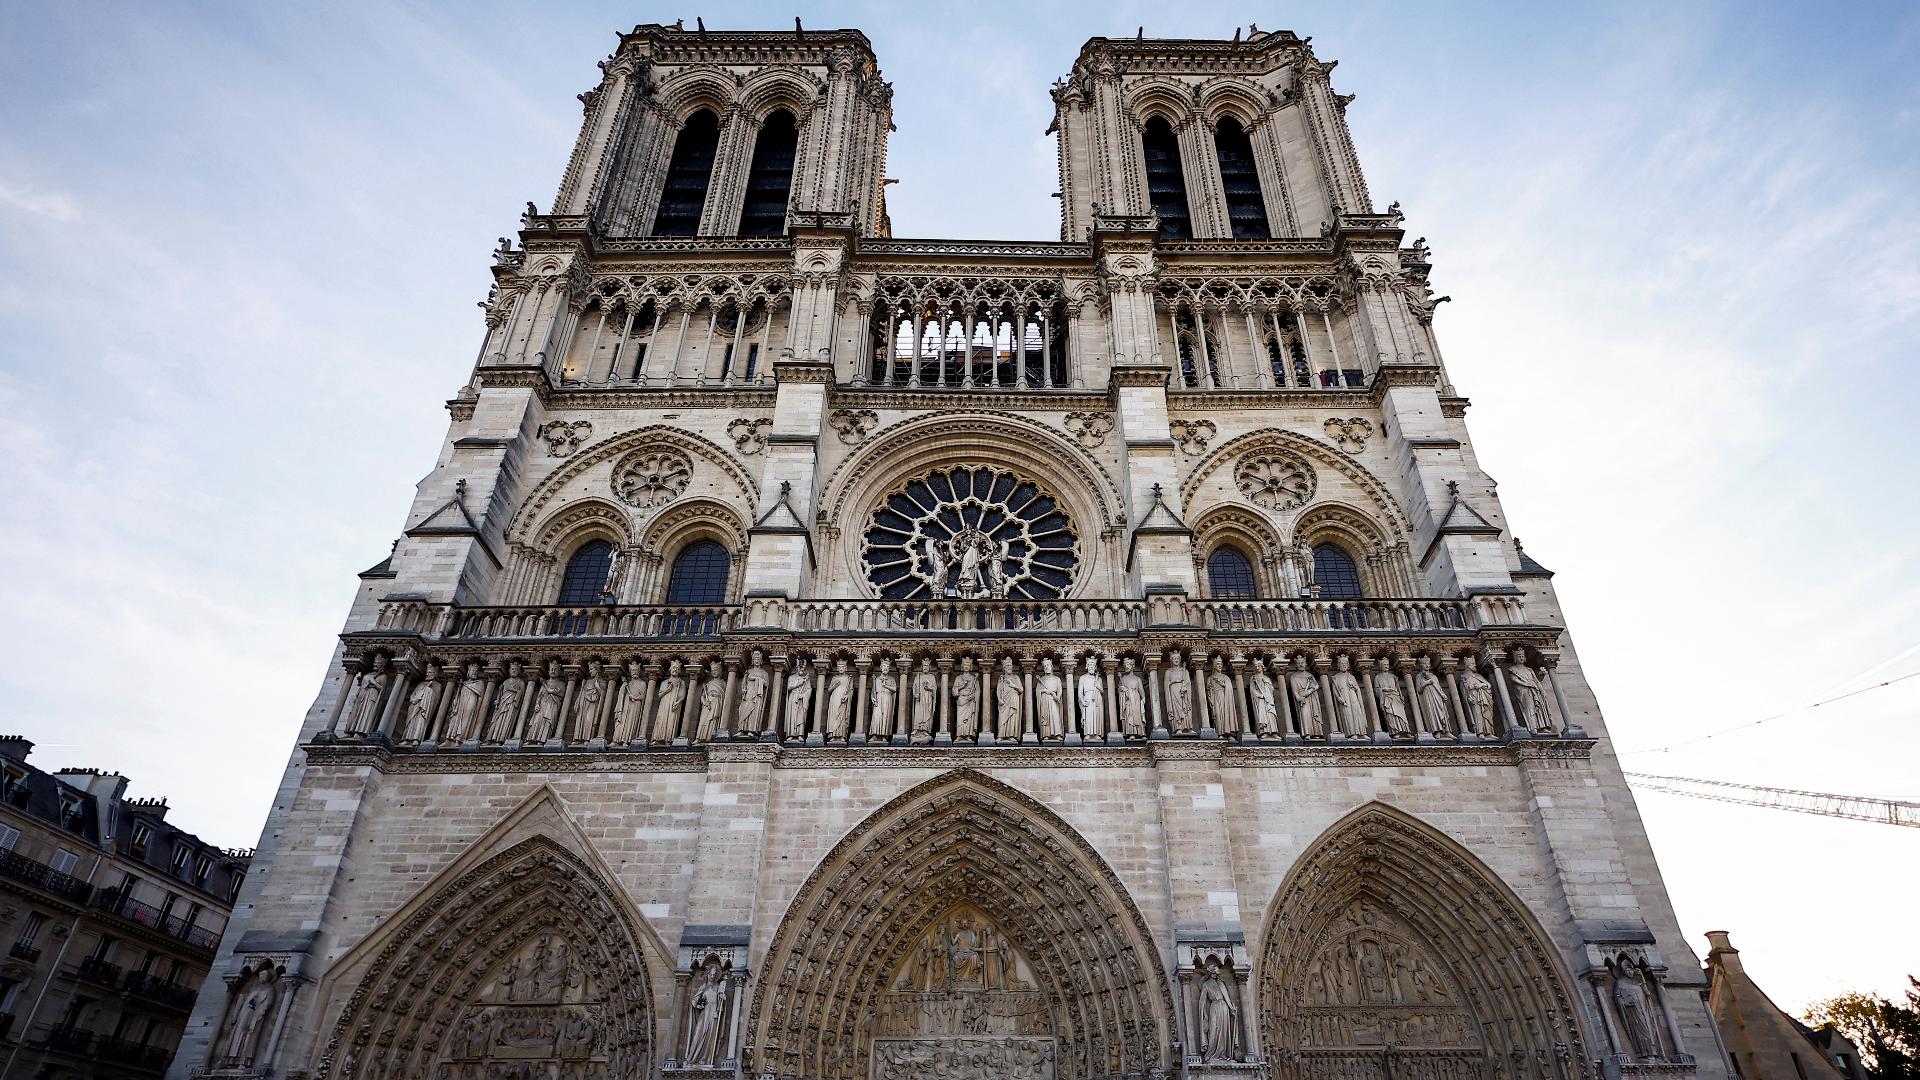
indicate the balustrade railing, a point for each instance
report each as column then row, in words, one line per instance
column 966, row 616
column 127, row 1052
column 657, row 621
column 1342, row 616
column 69, row 1039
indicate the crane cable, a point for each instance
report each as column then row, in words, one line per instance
column 1825, row 804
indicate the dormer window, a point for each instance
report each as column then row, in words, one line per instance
column 142, row 836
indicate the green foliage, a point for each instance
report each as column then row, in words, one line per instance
column 1888, row 1034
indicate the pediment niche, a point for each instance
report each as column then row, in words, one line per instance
column 963, row 1003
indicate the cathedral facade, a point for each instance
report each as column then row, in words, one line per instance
column 822, row 654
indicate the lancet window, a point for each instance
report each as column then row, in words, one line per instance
column 1230, row 575
column 699, row 574
column 585, row 581
column 770, row 176
column 1246, row 208
column 1166, row 181
column 1199, row 347
column 612, row 341
column 688, row 173
column 1335, row 574
column 987, row 335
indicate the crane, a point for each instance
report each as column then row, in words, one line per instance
column 1855, row 807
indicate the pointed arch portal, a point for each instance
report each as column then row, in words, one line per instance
column 963, row 926
column 1390, row 951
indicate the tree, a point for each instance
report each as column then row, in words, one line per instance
column 1887, row 1034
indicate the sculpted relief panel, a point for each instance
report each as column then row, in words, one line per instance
column 964, row 1005
column 540, row 1017
column 1373, row 985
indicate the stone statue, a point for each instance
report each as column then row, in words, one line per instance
column 464, row 715
column 884, row 699
column 1220, row 698
column 839, row 719
column 936, row 575
column 713, row 693
column 966, row 701
column 1432, row 695
column 248, row 1020
column 1636, row 1015
column 1218, row 1039
column 1391, row 702
column 633, row 699
column 419, row 708
column 1132, row 690
column 366, row 703
column 1179, row 696
column 1047, row 692
column 753, row 695
column 506, row 704
column 704, row 1007
column 799, row 698
column 997, row 581
column 545, row 721
column 1529, row 694
column 1265, row 718
column 1479, row 692
column 1091, row 697
column 1306, row 698
column 969, row 559
column 1349, row 704
column 926, row 699
column 667, row 704
column 587, row 702
column 1007, row 696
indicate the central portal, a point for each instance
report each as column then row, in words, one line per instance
column 963, row 1004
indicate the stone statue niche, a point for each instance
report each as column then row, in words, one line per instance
column 539, row 1013
column 711, row 996
column 1213, row 976
column 964, row 1003
column 252, row 1004
column 1630, row 990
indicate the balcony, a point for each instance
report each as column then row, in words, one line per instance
column 43, row 877
column 117, row 904
column 69, row 1040
column 95, row 970
column 24, row 951
column 137, row 1055
column 159, row 991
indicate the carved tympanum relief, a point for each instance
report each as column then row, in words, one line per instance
column 539, row 1015
column 650, row 478
column 565, row 437
column 749, row 436
column 1192, row 435
column 1275, row 481
column 963, row 1004
column 1091, row 428
column 1373, row 984
column 979, row 533
column 1349, row 434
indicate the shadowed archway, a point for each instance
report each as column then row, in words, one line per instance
column 1391, row 950
column 967, row 851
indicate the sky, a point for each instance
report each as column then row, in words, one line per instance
column 242, row 244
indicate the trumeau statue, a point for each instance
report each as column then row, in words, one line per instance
column 1306, row 698
column 667, row 704
column 1047, row 691
column 1479, row 694
column 546, row 705
column 839, row 702
column 420, row 702
column 1432, row 694
column 966, row 701
column 884, row 700
column 799, row 698
column 713, row 693
column 633, row 699
column 1349, row 701
column 1007, row 695
column 366, row 704
column 1266, row 711
column 1091, row 698
column 753, row 694
column 1179, row 696
column 1220, row 697
column 506, row 704
column 1392, row 703
column 1132, row 692
column 926, row 700
column 464, row 715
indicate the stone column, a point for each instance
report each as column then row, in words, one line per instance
column 404, row 673
column 1502, row 696
column 725, row 723
column 1197, row 661
column 351, row 669
column 943, row 727
column 560, row 733
column 1027, row 731
column 1239, row 665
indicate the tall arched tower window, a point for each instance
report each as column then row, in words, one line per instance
column 699, row 574
column 1230, row 575
column 691, row 166
column 1246, row 209
column 1166, row 181
column 585, row 581
column 770, row 176
column 1335, row 573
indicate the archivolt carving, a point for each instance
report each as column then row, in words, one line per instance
column 1159, row 94
column 1238, row 96
column 1389, row 942
column 655, row 437
column 1310, row 449
column 527, row 958
column 588, row 516
column 958, row 845
column 777, row 85
column 706, row 517
column 1334, row 518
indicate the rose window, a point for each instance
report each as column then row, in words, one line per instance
column 648, row 478
column 1275, row 481
column 971, row 532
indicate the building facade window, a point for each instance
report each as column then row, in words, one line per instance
column 9, row 836
column 688, row 173
column 1335, row 574
column 1240, row 178
column 64, row 860
column 585, row 581
column 1166, row 180
column 699, row 574
column 770, row 176
column 1230, row 575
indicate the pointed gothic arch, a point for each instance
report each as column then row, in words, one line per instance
column 526, row 935
column 1389, row 942
column 957, row 844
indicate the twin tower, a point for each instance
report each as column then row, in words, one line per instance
column 817, row 653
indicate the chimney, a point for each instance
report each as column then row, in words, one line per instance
column 16, row 747
column 1721, row 951
column 151, row 807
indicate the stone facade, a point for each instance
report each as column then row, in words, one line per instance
column 817, row 653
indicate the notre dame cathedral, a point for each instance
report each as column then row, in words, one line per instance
column 821, row 654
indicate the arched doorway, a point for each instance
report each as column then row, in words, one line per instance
column 1391, row 951
column 962, row 927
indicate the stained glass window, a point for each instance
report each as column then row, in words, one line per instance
column 699, row 574
column 971, row 532
column 586, row 578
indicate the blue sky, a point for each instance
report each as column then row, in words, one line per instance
column 243, row 243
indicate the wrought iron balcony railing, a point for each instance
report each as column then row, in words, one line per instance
column 41, row 876
column 116, row 903
column 161, row 991
column 95, row 970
